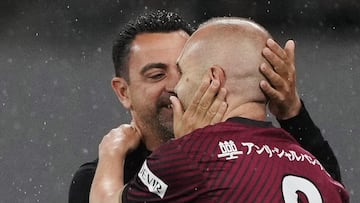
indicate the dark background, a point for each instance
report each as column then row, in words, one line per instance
column 56, row 102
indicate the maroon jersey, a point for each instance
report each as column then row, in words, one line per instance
column 239, row 160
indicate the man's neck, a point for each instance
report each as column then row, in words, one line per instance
column 250, row 110
column 151, row 141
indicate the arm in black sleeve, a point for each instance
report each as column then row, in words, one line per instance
column 310, row 138
column 81, row 183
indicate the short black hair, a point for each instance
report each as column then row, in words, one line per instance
column 151, row 22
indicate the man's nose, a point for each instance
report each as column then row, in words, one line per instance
column 173, row 79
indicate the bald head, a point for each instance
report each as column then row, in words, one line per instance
column 235, row 45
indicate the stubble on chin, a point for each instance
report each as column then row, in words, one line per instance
column 166, row 130
column 154, row 124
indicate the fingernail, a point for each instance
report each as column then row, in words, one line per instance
column 262, row 67
column 266, row 50
column 271, row 41
column 262, row 83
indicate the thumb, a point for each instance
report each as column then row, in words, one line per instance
column 135, row 128
column 178, row 113
column 177, row 108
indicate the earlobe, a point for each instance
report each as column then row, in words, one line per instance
column 217, row 73
column 121, row 89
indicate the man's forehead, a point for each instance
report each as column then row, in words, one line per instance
column 153, row 47
column 156, row 49
column 171, row 40
column 193, row 47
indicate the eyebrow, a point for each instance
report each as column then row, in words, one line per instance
column 152, row 65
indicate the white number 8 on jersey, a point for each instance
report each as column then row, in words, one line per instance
column 292, row 184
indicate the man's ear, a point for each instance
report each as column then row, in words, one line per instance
column 217, row 73
column 121, row 89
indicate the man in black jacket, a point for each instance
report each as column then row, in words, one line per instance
column 145, row 55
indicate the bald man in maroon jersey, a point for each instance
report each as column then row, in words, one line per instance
column 241, row 159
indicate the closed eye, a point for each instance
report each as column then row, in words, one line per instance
column 154, row 71
column 156, row 76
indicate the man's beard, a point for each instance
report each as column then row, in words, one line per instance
column 159, row 120
column 159, row 125
column 166, row 129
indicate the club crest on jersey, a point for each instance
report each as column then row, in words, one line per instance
column 229, row 150
column 151, row 181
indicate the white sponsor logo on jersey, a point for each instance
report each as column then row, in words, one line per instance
column 151, row 181
column 228, row 150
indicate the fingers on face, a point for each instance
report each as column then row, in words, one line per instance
column 290, row 49
column 218, row 107
column 177, row 108
column 273, row 77
column 198, row 95
column 210, row 105
column 217, row 103
column 282, row 60
column 270, row 92
column 277, row 62
column 208, row 98
column 276, row 49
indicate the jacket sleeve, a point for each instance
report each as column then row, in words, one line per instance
column 309, row 136
column 81, row 183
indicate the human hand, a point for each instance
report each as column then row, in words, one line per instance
column 207, row 107
column 284, row 99
column 108, row 181
column 119, row 141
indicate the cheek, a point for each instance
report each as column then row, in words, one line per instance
column 145, row 96
column 182, row 92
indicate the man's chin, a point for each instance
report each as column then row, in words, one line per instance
column 166, row 114
column 166, row 118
